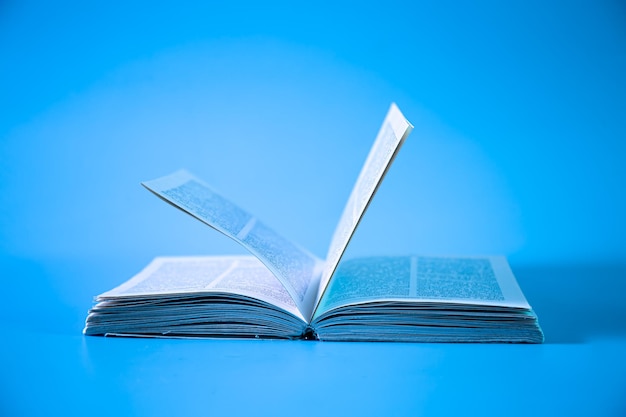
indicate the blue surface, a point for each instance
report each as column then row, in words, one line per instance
column 518, row 149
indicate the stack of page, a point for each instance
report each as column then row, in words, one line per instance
column 283, row 291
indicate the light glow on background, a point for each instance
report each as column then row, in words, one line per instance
column 518, row 147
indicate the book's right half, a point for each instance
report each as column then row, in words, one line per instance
column 430, row 299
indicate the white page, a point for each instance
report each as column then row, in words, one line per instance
column 237, row 274
column 392, row 134
column 467, row 280
column 297, row 269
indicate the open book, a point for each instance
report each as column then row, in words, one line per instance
column 283, row 291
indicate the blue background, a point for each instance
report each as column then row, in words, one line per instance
column 518, row 149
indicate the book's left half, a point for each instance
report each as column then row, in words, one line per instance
column 207, row 296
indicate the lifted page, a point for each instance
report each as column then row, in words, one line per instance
column 296, row 268
column 392, row 134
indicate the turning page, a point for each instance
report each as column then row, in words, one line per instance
column 295, row 267
column 392, row 134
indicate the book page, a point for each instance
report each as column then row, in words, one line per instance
column 465, row 280
column 392, row 134
column 295, row 268
column 175, row 276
